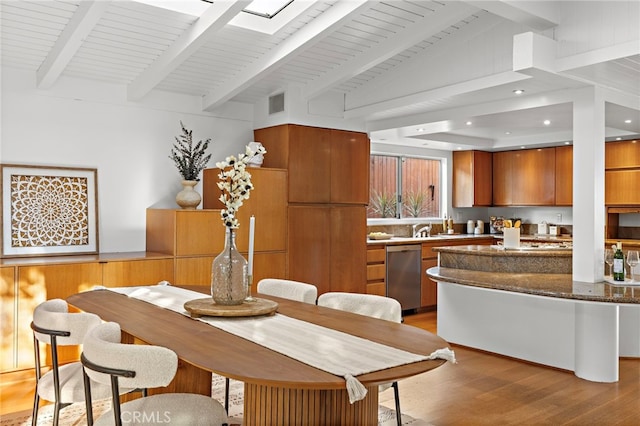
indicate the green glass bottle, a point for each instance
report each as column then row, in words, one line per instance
column 618, row 263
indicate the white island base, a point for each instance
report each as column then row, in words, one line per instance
column 585, row 337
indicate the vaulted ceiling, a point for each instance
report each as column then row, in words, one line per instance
column 423, row 73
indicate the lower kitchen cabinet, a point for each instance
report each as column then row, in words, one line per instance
column 376, row 269
column 429, row 288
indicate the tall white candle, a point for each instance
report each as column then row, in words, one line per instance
column 252, row 228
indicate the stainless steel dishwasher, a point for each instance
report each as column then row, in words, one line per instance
column 403, row 274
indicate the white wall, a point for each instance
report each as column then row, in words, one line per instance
column 83, row 124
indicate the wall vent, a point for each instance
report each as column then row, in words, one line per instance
column 276, row 103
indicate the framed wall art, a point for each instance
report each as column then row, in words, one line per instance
column 48, row 210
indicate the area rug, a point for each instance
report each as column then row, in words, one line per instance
column 74, row 415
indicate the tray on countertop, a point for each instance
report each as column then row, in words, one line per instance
column 379, row 236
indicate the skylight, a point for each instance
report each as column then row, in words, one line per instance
column 267, row 8
column 265, row 16
column 263, row 8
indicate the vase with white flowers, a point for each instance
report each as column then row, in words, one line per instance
column 229, row 271
column 190, row 160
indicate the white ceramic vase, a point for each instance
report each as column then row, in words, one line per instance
column 188, row 198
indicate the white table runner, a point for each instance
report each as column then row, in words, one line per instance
column 329, row 350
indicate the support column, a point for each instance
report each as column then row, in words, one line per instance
column 588, row 186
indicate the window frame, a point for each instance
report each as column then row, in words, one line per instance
column 443, row 199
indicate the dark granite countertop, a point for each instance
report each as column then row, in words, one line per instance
column 495, row 250
column 549, row 285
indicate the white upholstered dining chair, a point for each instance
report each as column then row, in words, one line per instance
column 287, row 289
column 370, row 305
column 108, row 361
column 54, row 325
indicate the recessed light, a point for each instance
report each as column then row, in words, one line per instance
column 507, row 133
column 547, row 122
column 627, row 121
column 459, row 148
column 518, row 91
column 522, row 147
column 567, row 143
column 420, row 129
column 469, row 123
column 618, row 139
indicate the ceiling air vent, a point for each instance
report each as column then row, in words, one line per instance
column 276, row 103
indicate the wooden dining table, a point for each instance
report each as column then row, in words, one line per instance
column 278, row 390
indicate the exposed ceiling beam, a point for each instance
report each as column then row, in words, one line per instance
column 536, row 15
column 80, row 25
column 492, row 107
column 410, row 36
column 212, row 20
column 438, row 93
column 298, row 42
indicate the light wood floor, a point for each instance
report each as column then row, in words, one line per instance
column 482, row 389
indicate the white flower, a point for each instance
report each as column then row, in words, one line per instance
column 235, row 184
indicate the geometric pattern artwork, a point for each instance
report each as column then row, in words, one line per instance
column 48, row 210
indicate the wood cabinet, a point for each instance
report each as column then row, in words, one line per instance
column 196, row 237
column 8, row 343
column 472, row 178
column 327, row 247
column 376, row 269
column 501, row 178
column 328, row 189
column 622, row 173
column 524, row 178
column 622, row 187
column 428, row 287
column 622, row 155
column 29, row 282
column 267, row 203
column 564, row 175
column 325, row 165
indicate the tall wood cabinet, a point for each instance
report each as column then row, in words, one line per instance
column 328, row 191
column 472, row 178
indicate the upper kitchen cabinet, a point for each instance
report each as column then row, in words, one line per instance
column 622, row 173
column 325, row 165
column 501, row 178
column 564, row 175
column 472, row 178
column 622, row 155
column 524, row 178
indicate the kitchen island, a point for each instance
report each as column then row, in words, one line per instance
column 541, row 315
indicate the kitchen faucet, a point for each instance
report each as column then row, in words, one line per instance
column 417, row 233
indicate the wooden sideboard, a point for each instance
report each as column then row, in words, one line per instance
column 27, row 282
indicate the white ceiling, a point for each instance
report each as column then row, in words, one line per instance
column 413, row 72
